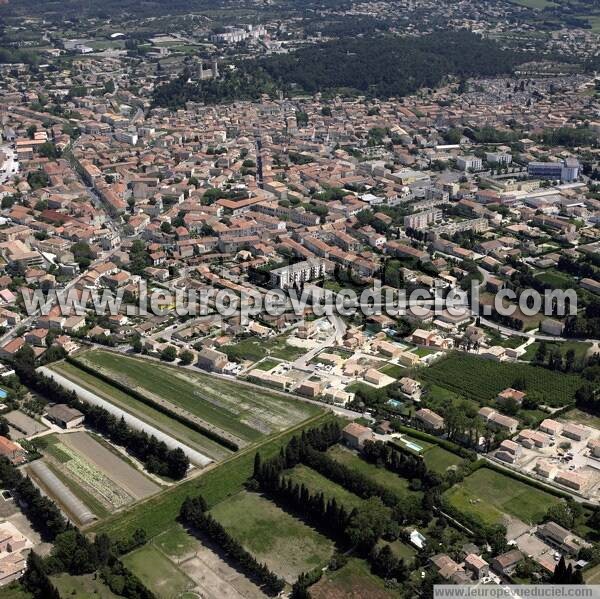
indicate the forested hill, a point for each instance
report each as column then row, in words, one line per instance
column 380, row 66
column 387, row 66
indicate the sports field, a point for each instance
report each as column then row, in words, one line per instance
column 488, row 495
column 244, row 411
column 275, row 537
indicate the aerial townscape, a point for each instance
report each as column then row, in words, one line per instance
column 298, row 299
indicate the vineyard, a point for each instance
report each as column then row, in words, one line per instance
column 481, row 380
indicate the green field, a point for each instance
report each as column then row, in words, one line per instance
column 159, row 513
column 401, row 550
column 254, row 349
column 88, row 586
column 579, row 347
column 287, row 545
column 353, row 581
column 381, row 476
column 143, row 411
column 393, row 370
column 488, row 495
column 481, row 380
column 238, row 409
column 439, row 459
column 592, row 576
column 175, row 543
column 14, row 591
column 157, row 572
column 316, row 483
column 556, row 279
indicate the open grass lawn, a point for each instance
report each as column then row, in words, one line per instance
column 378, row 475
column 488, row 495
column 246, row 349
column 577, row 415
column 592, row 576
column 88, row 586
column 579, row 347
column 239, row 409
column 393, row 370
column 143, row 411
column 481, row 380
column 556, row 279
column 439, row 459
column 353, row 581
column 268, row 364
column 159, row 513
column 287, row 545
column 254, row 349
column 14, row 591
column 401, row 550
column 317, row 483
column 157, row 572
column 424, row 351
column 278, row 347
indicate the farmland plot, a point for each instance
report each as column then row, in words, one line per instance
column 238, row 409
column 92, row 471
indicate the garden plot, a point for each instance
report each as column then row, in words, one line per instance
column 100, row 478
column 107, row 461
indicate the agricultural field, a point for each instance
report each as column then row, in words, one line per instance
column 104, row 481
column 488, row 495
column 143, row 411
column 353, row 581
column 159, row 513
column 238, row 409
column 317, row 483
column 158, row 573
column 481, row 380
column 272, row 535
column 381, row 476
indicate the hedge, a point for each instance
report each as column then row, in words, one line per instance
column 214, row 436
